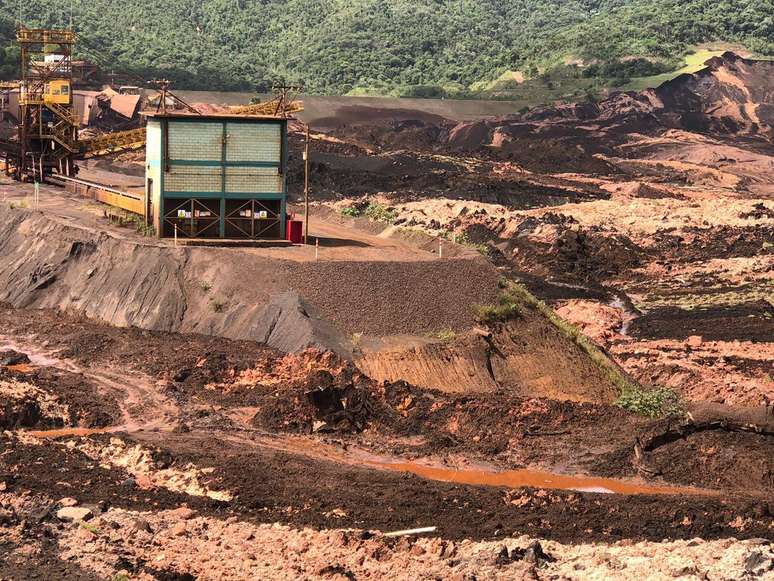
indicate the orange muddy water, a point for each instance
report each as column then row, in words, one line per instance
column 63, row 432
column 533, row 478
column 478, row 476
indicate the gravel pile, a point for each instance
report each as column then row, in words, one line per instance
column 392, row 298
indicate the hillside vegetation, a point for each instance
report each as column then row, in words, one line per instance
column 404, row 47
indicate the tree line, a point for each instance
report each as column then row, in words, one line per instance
column 423, row 47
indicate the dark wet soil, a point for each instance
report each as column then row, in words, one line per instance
column 746, row 322
column 716, row 242
column 56, row 472
column 301, row 490
column 411, row 173
column 398, row 418
column 712, row 459
column 89, row 407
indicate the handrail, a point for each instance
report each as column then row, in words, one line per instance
column 45, row 36
column 83, row 182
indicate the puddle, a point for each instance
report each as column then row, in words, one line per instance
column 478, row 476
column 20, row 368
column 532, row 478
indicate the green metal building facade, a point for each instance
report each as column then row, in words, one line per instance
column 216, row 176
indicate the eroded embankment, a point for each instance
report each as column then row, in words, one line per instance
column 528, row 356
column 236, row 293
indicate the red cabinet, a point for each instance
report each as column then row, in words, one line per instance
column 295, row 231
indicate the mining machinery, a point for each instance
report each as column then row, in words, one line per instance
column 283, row 104
column 47, row 131
column 47, row 139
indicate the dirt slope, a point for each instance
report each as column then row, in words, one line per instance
column 49, row 264
column 528, row 357
column 730, row 95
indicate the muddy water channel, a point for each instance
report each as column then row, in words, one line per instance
column 479, row 475
column 532, row 478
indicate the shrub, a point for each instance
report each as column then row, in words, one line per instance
column 464, row 240
column 350, row 212
column 139, row 224
column 653, row 403
column 217, row 306
column 638, row 67
column 505, row 309
column 380, row 213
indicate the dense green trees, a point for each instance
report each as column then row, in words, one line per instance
column 335, row 46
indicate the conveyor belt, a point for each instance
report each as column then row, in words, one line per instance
column 128, row 201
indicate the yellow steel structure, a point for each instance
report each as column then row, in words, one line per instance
column 57, row 92
column 129, row 201
column 114, row 142
column 275, row 108
column 48, row 128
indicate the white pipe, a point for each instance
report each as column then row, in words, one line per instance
column 411, row 532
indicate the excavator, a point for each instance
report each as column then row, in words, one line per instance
column 47, row 138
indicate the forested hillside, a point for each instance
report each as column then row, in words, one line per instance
column 400, row 46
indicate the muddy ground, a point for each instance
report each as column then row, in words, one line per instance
column 237, row 432
column 648, row 224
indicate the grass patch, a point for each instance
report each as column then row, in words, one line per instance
column 624, row 384
column 205, row 285
column 444, row 335
column 464, row 240
column 90, row 528
column 506, row 308
column 140, row 226
column 380, row 213
column 373, row 211
column 653, row 403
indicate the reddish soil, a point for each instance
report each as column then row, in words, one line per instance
column 646, row 219
column 212, row 383
column 655, row 204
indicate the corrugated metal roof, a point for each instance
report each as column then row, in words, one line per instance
column 189, row 115
column 125, row 105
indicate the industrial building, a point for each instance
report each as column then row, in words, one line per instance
column 216, row 176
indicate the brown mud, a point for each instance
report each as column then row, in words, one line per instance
column 646, row 219
column 208, row 442
column 747, row 322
